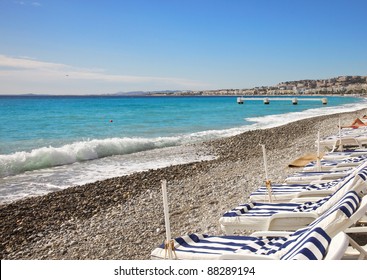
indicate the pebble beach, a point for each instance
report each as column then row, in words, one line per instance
column 122, row 218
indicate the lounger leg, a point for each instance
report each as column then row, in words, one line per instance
column 360, row 249
column 227, row 230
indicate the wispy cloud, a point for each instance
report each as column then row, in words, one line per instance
column 28, row 3
column 19, row 2
column 28, row 63
column 25, row 70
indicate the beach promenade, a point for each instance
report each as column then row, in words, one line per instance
column 122, row 218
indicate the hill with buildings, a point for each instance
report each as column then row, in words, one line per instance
column 343, row 85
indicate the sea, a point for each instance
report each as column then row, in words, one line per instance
column 49, row 143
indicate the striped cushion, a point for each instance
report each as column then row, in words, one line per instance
column 279, row 189
column 260, row 209
column 344, row 154
column 363, row 174
column 311, row 242
column 348, row 205
column 311, row 206
column 351, row 160
column 312, row 246
column 318, row 173
column 355, row 182
column 264, row 246
column 306, row 244
column 201, row 246
column 269, row 209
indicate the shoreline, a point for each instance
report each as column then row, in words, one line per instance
column 122, row 217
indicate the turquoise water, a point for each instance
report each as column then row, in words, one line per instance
column 28, row 123
column 45, row 140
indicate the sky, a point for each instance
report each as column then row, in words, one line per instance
column 84, row 47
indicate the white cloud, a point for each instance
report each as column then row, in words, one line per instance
column 28, row 3
column 28, row 63
column 24, row 74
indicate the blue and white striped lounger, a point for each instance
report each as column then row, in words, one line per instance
column 350, row 138
column 309, row 243
column 287, row 216
column 344, row 154
column 308, row 177
column 287, row 192
column 333, row 165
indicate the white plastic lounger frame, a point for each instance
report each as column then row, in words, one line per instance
column 349, row 138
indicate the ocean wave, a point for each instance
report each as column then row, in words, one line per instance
column 45, row 157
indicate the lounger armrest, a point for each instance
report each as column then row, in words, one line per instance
column 289, row 215
column 239, row 256
column 306, row 199
column 271, row 233
column 311, row 194
column 363, row 219
column 337, row 247
column 290, row 220
column 356, row 230
column 319, row 182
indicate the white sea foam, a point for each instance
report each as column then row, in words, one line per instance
column 42, row 181
column 77, row 152
column 46, row 157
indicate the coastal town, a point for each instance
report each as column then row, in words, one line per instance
column 342, row 85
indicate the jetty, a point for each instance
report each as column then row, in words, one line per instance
column 294, row 100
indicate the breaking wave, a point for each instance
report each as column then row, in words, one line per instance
column 46, row 157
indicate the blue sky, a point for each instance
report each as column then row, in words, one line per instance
column 96, row 47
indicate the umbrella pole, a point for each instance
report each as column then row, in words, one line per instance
column 267, row 181
column 169, row 243
column 340, row 136
column 318, row 152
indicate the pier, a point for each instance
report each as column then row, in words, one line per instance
column 294, row 100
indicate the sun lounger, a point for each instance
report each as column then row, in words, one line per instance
column 356, row 250
column 322, row 239
column 344, row 154
column 333, row 165
column 348, row 138
column 287, row 216
column 304, row 177
column 354, row 254
column 288, row 192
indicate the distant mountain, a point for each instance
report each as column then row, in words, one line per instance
column 130, row 93
column 144, row 93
